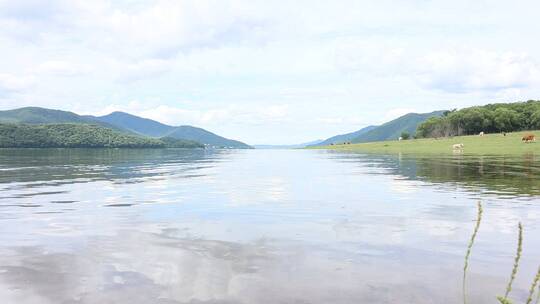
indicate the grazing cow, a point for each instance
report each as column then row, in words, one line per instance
column 457, row 146
column 481, row 133
column 528, row 138
column 400, row 138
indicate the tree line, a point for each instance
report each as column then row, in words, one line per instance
column 70, row 135
column 491, row 118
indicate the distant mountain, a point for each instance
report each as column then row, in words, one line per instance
column 297, row 146
column 338, row 139
column 153, row 128
column 392, row 130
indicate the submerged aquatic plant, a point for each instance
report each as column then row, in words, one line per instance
column 469, row 247
column 504, row 300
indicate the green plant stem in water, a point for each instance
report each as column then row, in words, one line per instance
column 533, row 287
column 469, row 247
column 515, row 267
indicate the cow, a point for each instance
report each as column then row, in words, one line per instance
column 528, row 138
column 481, row 133
column 400, row 138
column 457, row 146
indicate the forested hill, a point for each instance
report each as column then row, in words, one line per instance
column 69, row 135
column 491, row 118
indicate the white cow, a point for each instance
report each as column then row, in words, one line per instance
column 481, row 133
column 457, row 146
column 400, row 138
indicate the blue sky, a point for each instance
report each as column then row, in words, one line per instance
column 275, row 72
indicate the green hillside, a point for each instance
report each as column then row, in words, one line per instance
column 70, row 135
column 392, row 130
column 153, row 128
column 180, row 143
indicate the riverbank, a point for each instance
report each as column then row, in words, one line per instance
column 472, row 144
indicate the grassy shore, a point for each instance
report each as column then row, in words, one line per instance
column 473, row 144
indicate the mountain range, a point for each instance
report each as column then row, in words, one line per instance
column 120, row 121
column 138, row 126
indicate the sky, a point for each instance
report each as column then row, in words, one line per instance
column 268, row 72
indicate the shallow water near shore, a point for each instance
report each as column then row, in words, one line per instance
column 262, row 226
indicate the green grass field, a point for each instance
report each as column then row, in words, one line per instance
column 473, row 144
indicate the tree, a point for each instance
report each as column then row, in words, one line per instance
column 535, row 120
column 405, row 135
column 506, row 119
column 502, row 117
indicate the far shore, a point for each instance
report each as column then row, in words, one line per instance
column 489, row 144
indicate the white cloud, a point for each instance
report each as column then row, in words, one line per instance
column 476, row 69
column 64, row 68
column 15, row 83
column 144, row 69
column 165, row 27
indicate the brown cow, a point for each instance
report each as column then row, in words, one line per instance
column 528, row 138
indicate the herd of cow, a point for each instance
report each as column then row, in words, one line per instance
column 527, row 138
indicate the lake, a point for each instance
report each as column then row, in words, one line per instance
column 262, row 226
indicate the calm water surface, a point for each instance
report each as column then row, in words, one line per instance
column 261, row 226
